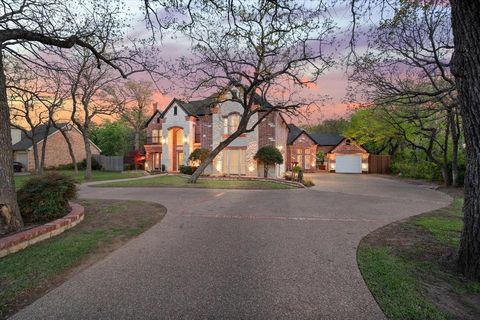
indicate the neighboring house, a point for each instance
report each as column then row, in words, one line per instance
column 341, row 154
column 185, row 126
column 56, row 152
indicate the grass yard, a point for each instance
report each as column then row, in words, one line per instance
column 79, row 177
column 409, row 267
column 176, row 181
column 108, row 224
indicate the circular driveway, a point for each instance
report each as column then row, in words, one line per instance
column 242, row 254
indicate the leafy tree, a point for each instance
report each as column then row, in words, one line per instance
column 368, row 127
column 199, row 155
column 113, row 138
column 268, row 155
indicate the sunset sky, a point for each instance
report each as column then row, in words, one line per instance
column 332, row 84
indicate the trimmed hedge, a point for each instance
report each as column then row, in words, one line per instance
column 188, row 169
column 45, row 198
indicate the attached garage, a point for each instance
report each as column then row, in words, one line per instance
column 348, row 157
column 348, row 163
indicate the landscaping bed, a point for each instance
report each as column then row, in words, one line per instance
column 108, row 224
column 409, row 266
column 181, row 181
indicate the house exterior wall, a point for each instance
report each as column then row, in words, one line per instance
column 344, row 147
column 180, row 120
column 207, row 131
column 247, row 142
column 57, row 153
column 304, row 147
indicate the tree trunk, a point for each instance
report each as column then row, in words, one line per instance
column 137, row 140
column 466, row 69
column 212, row 155
column 36, row 158
column 88, row 156
column 455, row 140
column 70, row 150
column 44, row 148
column 265, row 170
column 10, row 218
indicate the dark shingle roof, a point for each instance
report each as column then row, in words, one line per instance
column 25, row 143
column 199, row 107
column 327, row 139
column 293, row 133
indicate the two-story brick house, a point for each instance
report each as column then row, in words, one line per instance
column 185, row 126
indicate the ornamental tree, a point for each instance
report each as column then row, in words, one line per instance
column 268, row 155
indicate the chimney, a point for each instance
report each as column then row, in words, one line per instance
column 16, row 135
column 155, row 107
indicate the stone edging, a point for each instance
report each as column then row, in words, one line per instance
column 23, row 239
column 280, row 181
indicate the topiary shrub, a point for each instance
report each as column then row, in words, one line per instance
column 45, row 198
column 188, row 169
column 268, row 155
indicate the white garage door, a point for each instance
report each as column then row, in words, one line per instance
column 348, row 164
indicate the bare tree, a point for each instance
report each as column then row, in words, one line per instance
column 135, row 98
column 27, row 111
column 27, row 27
column 408, row 65
column 90, row 91
column 256, row 54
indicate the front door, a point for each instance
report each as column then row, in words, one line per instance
column 157, row 161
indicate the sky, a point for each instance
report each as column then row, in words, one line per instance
column 333, row 83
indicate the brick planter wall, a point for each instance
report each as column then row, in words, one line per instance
column 23, row 239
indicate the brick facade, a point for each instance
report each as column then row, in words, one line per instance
column 203, row 131
column 266, row 131
column 303, row 149
column 56, row 152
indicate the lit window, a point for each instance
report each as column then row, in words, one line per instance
column 233, row 122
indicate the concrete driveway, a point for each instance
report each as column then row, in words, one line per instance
column 233, row 254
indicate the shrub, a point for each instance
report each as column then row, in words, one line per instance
column 95, row 164
column 268, row 155
column 188, row 169
column 199, row 155
column 45, row 198
column 308, row 183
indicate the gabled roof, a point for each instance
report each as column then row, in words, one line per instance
column 26, row 142
column 327, row 139
column 293, row 133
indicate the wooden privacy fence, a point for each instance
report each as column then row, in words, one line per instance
column 110, row 163
column 379, row 164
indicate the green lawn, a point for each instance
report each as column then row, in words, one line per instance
column 107, row 225
column 80, row 176
column 181, row 182
column 409, row 269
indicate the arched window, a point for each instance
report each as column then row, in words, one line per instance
column 348, row 142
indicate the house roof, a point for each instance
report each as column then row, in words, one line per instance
column 26, row 142
column 293, row 133
column 322, row 139
column 327, row 139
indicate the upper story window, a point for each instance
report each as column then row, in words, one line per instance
column 158, row 120
column 175, row 111
column 231, row 123
column 348, row 142
column 156, row 136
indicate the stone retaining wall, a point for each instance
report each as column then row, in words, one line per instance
column 23, row 239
